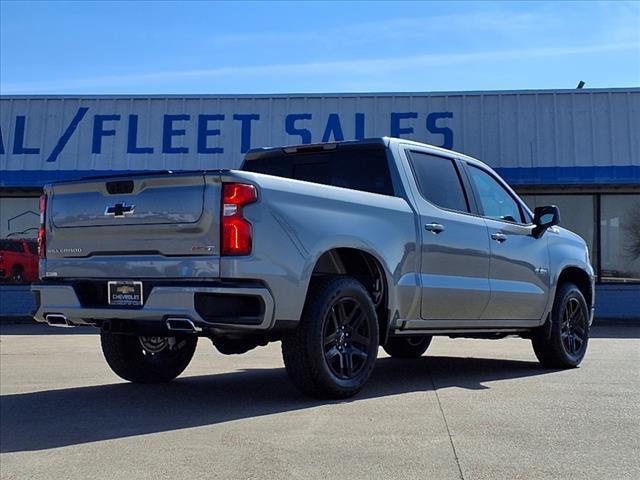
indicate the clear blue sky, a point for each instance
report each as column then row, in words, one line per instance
column 286, row 47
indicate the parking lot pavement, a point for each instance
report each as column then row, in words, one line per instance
column 469, row 409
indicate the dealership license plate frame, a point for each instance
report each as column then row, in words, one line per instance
column 138, row 293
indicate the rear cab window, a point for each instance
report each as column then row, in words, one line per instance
column 10, row 246
column 439, row 181
column 358, row 167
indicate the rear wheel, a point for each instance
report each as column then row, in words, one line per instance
column 147, row 359
column 407, row 347
column 332, row 351
column 17, row 274
column 563, row 344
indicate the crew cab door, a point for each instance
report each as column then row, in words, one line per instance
column 455, row 247
column 519, row 271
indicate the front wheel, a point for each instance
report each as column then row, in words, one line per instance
column 407, row 347
column 332, row 351
column 147, row 359
column 564, row 343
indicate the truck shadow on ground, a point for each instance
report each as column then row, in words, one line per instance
column 58, row 418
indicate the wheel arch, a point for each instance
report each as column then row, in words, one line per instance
column 365, row 267
column 580, row 278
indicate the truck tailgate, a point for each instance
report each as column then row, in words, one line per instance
column 141, row 215
column 158, row 200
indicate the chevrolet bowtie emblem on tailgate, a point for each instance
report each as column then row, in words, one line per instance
column 119, row 210
column 125, row 289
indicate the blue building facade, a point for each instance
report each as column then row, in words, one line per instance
column 579, row 149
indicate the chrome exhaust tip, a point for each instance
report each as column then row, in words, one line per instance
column 58, row 320
column 183, row 325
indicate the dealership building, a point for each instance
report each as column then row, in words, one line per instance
column 578, row 149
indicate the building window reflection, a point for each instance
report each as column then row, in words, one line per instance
column 620, row 238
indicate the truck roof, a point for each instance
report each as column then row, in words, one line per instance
column 265, row 152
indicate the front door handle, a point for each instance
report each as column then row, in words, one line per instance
column 434, row 228
column 499, row 237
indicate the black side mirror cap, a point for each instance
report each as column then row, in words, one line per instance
column 545, row 217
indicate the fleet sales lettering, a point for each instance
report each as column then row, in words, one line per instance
column 207, row 126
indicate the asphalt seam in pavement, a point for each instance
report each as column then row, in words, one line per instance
column 446, row 424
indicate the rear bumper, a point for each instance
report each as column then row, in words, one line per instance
column 164, row 302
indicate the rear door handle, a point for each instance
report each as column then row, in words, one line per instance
column 434, row 228
column 499, row 237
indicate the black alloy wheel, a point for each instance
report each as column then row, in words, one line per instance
column 562, row 342
column 147, row 359
column 407, row 347
column 574, row 327
column 332, row 351
column 347, row 338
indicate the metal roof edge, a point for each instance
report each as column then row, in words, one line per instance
column 581, row 91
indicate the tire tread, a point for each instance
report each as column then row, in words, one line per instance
column 548, row 347
column 306, row 372
column 399, row 347
column 124, row 355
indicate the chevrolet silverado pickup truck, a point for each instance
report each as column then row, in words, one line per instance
column 334, row 249
column 18, row 260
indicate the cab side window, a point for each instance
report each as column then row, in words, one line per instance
column 496, row 202
column 10, row 246
column 438, row 181
column 33, row 247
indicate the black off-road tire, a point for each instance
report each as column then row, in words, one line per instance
column 17, row 274
column 569, row 317
column 130, row 361
column 317, row 360
column 407, row 347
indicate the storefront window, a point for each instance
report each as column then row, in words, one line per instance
column 620, row 237
column 19, row 219
column 577, row 213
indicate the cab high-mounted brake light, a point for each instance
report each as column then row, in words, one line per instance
column 42, row 240
column 235, row 229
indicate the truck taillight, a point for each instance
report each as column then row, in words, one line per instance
column 42, row 241
column 235, row 229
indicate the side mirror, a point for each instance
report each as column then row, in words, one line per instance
column 545, row 217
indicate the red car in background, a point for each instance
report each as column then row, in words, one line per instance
column 18, row 260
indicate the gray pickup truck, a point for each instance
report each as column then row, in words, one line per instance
column 333, row 249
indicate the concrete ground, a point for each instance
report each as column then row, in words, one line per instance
column 469, row 409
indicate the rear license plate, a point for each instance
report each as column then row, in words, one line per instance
column 127, row 294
